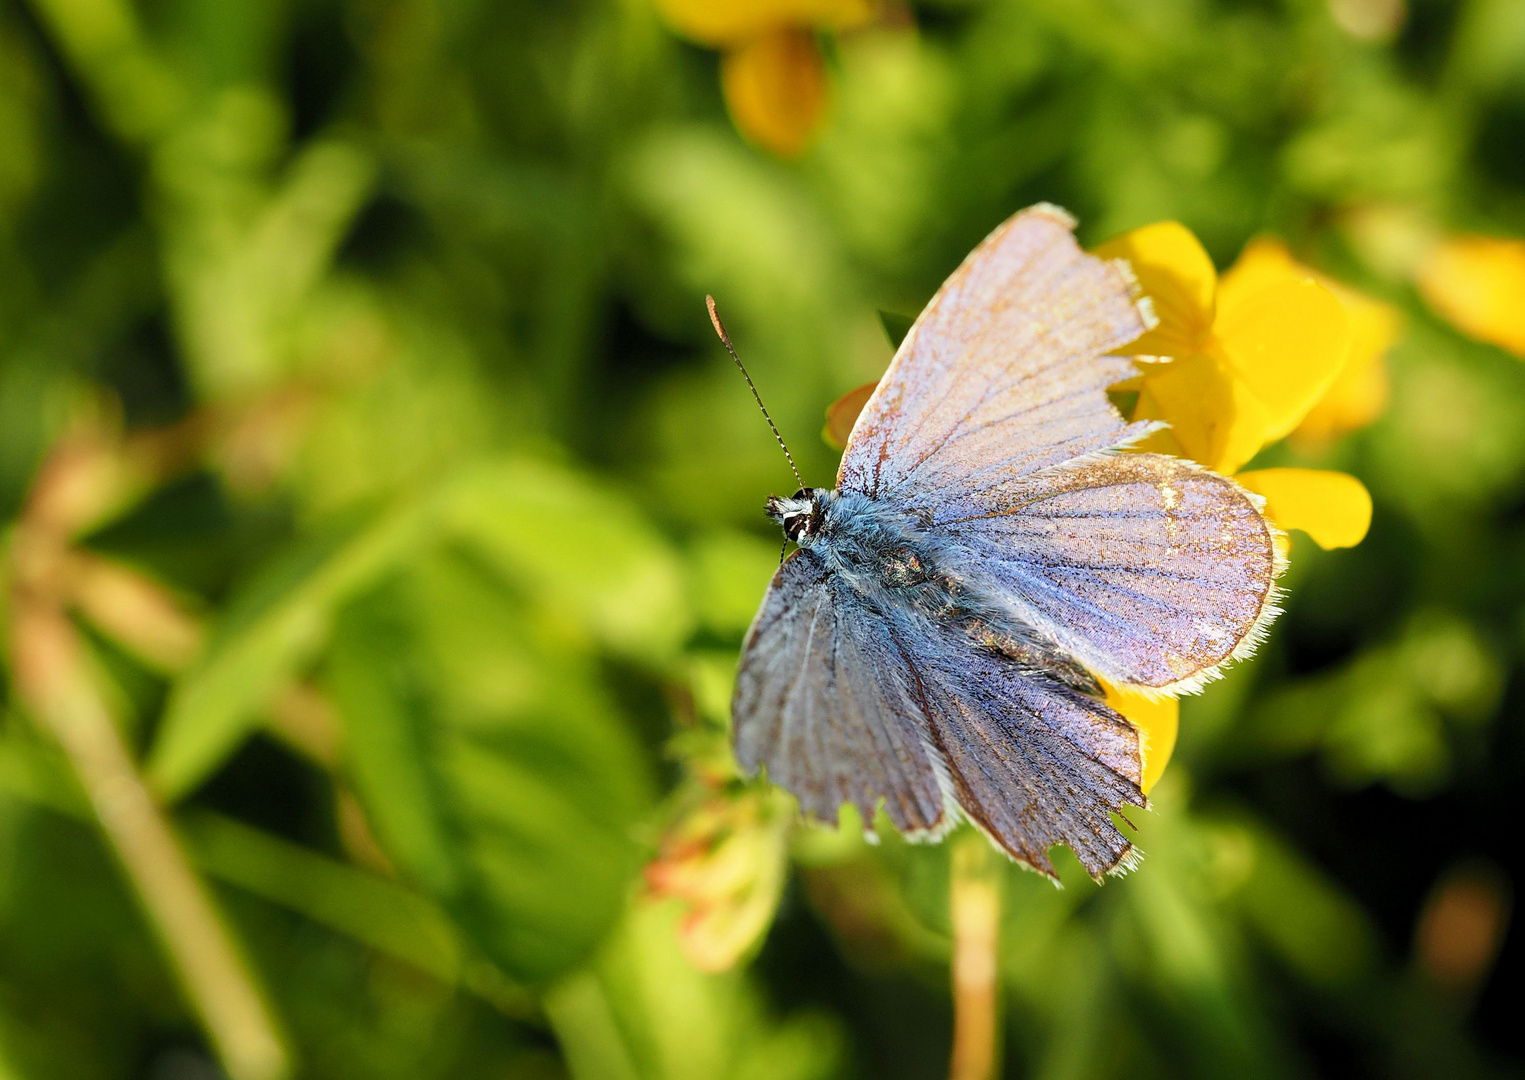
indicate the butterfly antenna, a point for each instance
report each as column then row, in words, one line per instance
column 725, row 339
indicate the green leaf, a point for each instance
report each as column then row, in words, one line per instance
column 369, row 908
column 494, row 768
column 575, row 545
column 276, row 628
column 896, row 326
column 641, row 1011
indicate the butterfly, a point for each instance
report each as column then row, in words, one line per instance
column 934, row 644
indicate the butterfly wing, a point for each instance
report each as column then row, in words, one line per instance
column 1033, row 762
column 1005, row 371
column 823, row 700
column 850, row 701
column 991, row 424
column 1148, row 569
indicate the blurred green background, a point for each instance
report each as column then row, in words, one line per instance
column 376, row 492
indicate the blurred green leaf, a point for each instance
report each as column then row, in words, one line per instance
column 1314, row 927
column 368, row 908
column 576, row 547
column 641, row 1012
column 495, row 770
column 896, row 327
column 729, row 572
column 276, row 628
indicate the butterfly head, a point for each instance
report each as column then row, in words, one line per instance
column 799, row 516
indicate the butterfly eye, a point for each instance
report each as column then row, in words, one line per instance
column 797, row 525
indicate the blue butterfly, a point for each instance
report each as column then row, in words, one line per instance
column 934, row 643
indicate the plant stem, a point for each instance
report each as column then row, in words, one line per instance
column 975, row 908
column 84, row 477
column 52, row 674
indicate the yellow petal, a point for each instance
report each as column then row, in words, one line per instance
column 1178, row 277
column 1213, row 417
column 1478, row 283
column 1157, row 720
column 731, row 22
column 1286, row 344
column 775, row 88
column 842, row 414
column 1331, row 507
column 1265, row 261
column 1357, row 394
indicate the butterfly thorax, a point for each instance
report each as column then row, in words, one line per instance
column 896, row 563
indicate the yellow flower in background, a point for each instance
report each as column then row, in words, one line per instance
column 775, row 88
column 772, row 73
column 1477, row 283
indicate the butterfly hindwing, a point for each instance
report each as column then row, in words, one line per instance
column 1148, row 569
column 1034, row 762
column 823, row 702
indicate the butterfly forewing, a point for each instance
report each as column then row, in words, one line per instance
column 1006, row 369
column 993, row 423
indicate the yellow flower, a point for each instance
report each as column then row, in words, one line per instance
column 1359, row 391
column 1247, row 361
column 1271, row 350
column 1333, row 508
column 772, row 73
column 1478, row 284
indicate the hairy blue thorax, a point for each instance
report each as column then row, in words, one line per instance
column 898, row 565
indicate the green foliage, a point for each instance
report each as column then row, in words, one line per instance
column 389, row 314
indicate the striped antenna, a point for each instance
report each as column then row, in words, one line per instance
column 725, row 339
